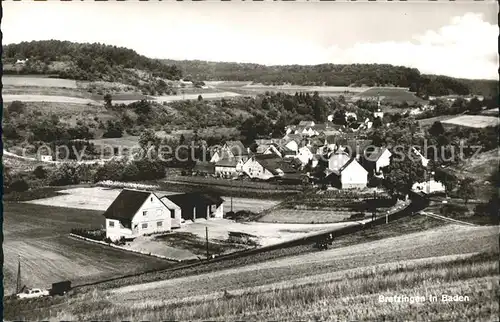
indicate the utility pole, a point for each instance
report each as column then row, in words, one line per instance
column 18, row 282
column 206, row 234
column 374, row 213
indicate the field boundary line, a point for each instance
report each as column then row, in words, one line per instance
column 433, row 215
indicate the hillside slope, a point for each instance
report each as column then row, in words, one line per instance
column 336, row 75
column 343, row 282
column 90, row 62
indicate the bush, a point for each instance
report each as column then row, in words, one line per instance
column 16, row 106
column 357, row 216
column 19, row 185
column 40, row 172
column 452, row 210
column 98, row 234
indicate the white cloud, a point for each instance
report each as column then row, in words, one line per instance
column 463, row 48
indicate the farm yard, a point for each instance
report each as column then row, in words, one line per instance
column 475, row 121
column 39, row 235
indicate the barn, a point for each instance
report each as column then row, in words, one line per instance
column 197, row 205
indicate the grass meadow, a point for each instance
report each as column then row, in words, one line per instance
column 349, row 295
column 40, row 236
column 475, row 121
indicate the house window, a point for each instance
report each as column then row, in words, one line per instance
column 172, row 213
column 151, row 199
column 111, row 224
column 159, row 224
column 144, row 226
column 144, row 213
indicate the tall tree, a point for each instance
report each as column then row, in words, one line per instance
column 466, row 189
column 402, row 173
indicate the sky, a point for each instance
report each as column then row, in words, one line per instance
column 458, row 39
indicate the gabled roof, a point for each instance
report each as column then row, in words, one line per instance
column 306, row 123
column 236, row 147
column 227, row 163
column 375, row 153
column 126, row 205
column 339, row 160
column 193, row 199
column 341, row 169
column 273, row 163
column 204, row 167
column 263, row 148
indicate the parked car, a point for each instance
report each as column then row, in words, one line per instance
column 33, row 293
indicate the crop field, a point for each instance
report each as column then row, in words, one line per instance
column 425, row 123
column 123, row 142
column 46, row 98
column 343, row 282
column 297, row 88
column 90, row 198
column 490, row 112
column 38, row 81
column 172, row 98
column 475, row 121
column 391, row 94
column 39, row 235
column 99, row 198
column 67, row 109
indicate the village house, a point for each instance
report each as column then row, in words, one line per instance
column 197, row 205
column 229, row 167
column 135, row 212
column 377, row 158
column 267, row 166
column 304, row 155
column 345, row 172
column 270, row 149
column 21, row 61
column 229, row 150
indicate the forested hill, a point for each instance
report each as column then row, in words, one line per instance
column 336, row 75
column 84, row 61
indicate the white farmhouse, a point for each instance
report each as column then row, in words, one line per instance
column 378, row 158
column 135, row 212
column 346, row 172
